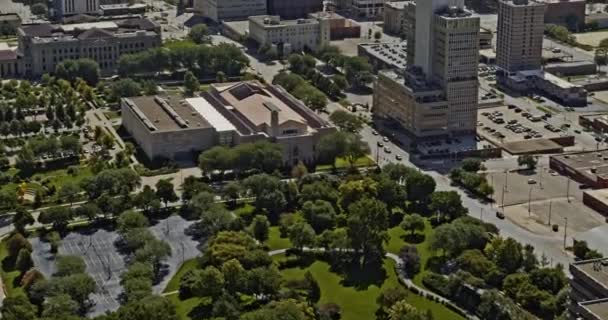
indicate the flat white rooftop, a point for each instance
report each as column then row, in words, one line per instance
column 215, row 119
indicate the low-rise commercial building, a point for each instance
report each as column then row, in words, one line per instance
column 44, row 46
column 11, row 20
column 228, row 114
column 408, row 99
column 598, row 19
column 567, row 13
column 588, row 167
column 367, row 8
column 395, row 17
column 121, row 9
column 340, row 27
column 385, row 55
column 286, row 36
column 289, row 9
column 597, row 122
column 539, row 81
column 219, row 10
column 589, row 289
column 571, row 68
column 9, row 62
column 62, row 8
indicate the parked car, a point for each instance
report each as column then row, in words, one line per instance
column 500, row 215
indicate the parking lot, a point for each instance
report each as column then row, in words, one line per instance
column 510, row 126
column 105, row 264
column 550, row 199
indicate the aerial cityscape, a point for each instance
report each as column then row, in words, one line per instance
column 303, row 159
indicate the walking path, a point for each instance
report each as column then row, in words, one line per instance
column 401, row 273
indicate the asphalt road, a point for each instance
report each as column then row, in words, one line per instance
column 551, row 247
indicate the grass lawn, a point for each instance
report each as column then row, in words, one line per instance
column 173, row 284
column 184, row 307
column 9, row 277
column 357, row 294
column 342, row 163
column 398, row 240
column 275, row 241
column 111, row 114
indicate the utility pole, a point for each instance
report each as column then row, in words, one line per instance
column 377, row 154
column 540, row 178
column 481, row 214
column 529, row 200
column 506, row 179
column 549, row 212
column 565, row 231
column 568, row 190
column 502, row 202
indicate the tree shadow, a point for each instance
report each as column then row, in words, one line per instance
column 413, row 238
column 361, row 277
column 435, row 263
column 202, row 311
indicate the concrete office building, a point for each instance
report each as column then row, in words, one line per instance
column 418, row 106
column 519, row 54
column 367, row 8
column 43, row 46
column 567, row 13
column 289, row 9
column 218, row 10
column 520, row 29
column 286, row 36
column 395, row 17
column 228, row 114
column 589, row 289
column 62, row 8
column 440, row 83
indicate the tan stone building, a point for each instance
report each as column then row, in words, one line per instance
column 395, row 17
column 287, row 36
column 520, row 29
column 218, row 10
column 44, row 46
column 228, row 114
column 438, row 93
column 417, row 106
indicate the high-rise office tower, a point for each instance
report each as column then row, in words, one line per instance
column 519, row 42
column 443, row 52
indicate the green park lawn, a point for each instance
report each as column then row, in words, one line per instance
column 342, row 163
column 398, row 239
column 356, row 292
column 173, row 284
column 9, row 277
column 275, row 242
column 184, row 307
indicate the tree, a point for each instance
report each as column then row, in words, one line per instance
column 346, row 121
column 165, row 191
column 149, row 308
column 411, row 260
column 85, row 69
column 527, row 160
column 471, row 165
column 39, row 9
column 69, row 192
column 455, row 237
column 234, row 276
column 69, row 265
column 147, row 199
column 377, row 35
column 24, row 260
column 154, row 252
column 366, row 226
column 447, row 204
column 412, row 223
column 125, row 87
column 260, row 228
column 59, row 306
column 18, row 307
column 312, row 287
column 22, row 218
column 387, row 299
column 582, row 251
column 340, row 81
column 211, row 283
column 130, row 220
column 402, row 310
column 199, row 33
column 301, row 235
column 603, row 43
column 506, row 253
column 419, row 187
column 320, row 214
column 191, row 84
column 16, row 243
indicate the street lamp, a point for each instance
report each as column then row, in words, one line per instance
column 506, row 179
column 529, row 200
column 565, row 231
